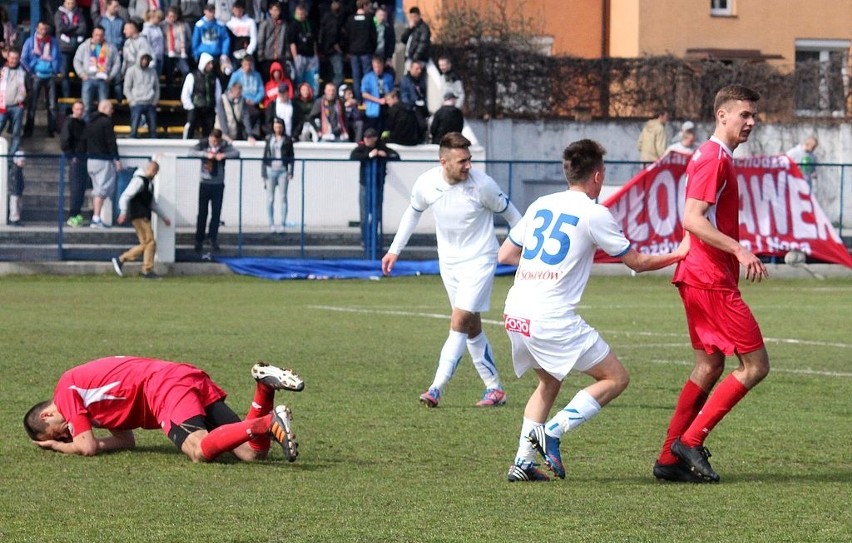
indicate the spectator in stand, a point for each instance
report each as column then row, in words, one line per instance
column 803, row 155
column 686, row 140
column 302, row 106
column 73, row 144
column 243, row 32
column 43, row 63
column 142, row 89
column 303, row 48
column 353, row 114
column 401, row 125
column 257, row 10
column 135, row 45
column 97, row 64
column 211, row 37
column 223, row 9
column 71, row 30
column 113, row 25
column 385, row 35
column 177, row 40
column 277, row 79
column 328, row 116
column 253, row 89
column 372, row 187
column 412, row 94
column 13, row 97
column 213, row 151
column 272, row 46
column 450, row 81
column 16, row 188
column 417, row 38
column 653, row 140
column 191, row 11
column 103, row 160
column 98, row 11
column 200, row 93
column 282, row 108
column 152, row 32
column 138, row 9
column 362, row 38
column 232, row 115
column 374, row 86
column 447, row 119
column 8, row 32
column 332, row 44
column 277, row 171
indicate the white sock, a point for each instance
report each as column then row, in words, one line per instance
column 451, row 355
column 526, row 453
column 483, row 360
column 580, row 409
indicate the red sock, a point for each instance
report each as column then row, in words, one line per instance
column 724, row 398
column 230, row 436
column 689, row 403
column 261, row 406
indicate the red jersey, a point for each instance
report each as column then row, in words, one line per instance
column 711, row 177
column 124, row 392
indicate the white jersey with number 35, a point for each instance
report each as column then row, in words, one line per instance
column 558, row 237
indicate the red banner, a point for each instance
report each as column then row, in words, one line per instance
column 777, row 211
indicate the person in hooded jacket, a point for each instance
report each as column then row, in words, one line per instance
column 200, row 93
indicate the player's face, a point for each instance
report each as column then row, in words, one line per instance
column 57, row 427
column 456, row 163
column 738, row 119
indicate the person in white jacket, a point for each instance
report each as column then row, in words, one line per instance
column 200, row 93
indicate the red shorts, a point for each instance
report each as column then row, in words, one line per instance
column 719, row 320
column 181, row 393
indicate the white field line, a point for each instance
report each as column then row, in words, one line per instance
column 446, row 316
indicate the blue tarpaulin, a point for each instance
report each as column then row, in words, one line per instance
column 297, row 268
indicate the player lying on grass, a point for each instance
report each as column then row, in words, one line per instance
column 123, row 393
column 554, row 246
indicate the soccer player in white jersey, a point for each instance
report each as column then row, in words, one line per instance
column 554, row 246
column 464, row 202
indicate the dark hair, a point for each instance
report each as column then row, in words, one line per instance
column 98, row 27
column 414, row 11
column 580, row 160
column 734, row 92
column 33, row 423
column 216, row 133
column 176, row 10
column 239, row 4
column 453, row 140
column 209, row 7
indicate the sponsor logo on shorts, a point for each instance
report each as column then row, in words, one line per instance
column 517, row 324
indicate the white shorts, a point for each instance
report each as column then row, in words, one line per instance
column 469, row 284
column 102, row 173
column 556, row 346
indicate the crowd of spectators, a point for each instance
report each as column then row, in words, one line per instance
column 228, row 63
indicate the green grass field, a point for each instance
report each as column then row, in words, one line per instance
column 375, row 465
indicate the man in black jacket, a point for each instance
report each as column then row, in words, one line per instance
column 73, row 146
column 103, row 160
column 136, row 203
column 374, row 156
column 447, row 119
column 361, row 37
column 401, row 124
column 213, row 151
column 417, row 39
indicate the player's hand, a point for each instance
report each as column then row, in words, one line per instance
column 755, row 270
column 167, row 221
column 388, row 262
column 49, row 445
column 121, row 218
column 683, row 249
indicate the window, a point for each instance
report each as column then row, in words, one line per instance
column 722, row 8
column 822, row 77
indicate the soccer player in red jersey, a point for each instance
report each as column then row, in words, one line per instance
column 720, row 323
column 123, row 393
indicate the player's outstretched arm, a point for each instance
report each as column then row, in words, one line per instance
column 640, row 262
column 696, row 223
column 388, row 262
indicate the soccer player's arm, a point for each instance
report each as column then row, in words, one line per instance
column 86, row 444
column 510, row 251
column 608, row 235
column 695, row 222
column 407, row 224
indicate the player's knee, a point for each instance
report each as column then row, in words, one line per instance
column 621, row 379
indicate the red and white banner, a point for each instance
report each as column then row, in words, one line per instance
column 777, row 210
